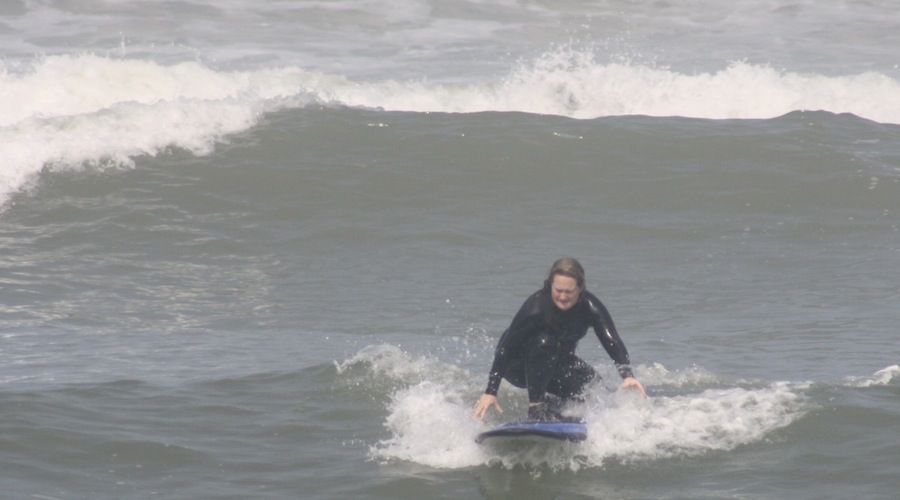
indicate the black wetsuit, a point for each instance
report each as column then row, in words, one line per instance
column 537, row 351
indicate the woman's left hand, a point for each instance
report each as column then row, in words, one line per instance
column 633, row 383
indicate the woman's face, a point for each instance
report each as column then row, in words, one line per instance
column 564, row 291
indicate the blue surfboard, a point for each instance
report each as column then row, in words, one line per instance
column 563, row 431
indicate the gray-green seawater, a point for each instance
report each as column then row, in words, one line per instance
column 265, row 249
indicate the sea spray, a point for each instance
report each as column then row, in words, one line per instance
column 429, row 416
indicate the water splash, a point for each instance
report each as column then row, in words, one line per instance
column 430, row 421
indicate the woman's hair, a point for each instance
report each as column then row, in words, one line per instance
column 567, row 266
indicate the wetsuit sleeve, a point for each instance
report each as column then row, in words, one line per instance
column 511, row 342
column 496, row 374
column 608, row 336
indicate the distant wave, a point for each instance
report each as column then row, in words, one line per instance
column 70, row 110
column 572, row 84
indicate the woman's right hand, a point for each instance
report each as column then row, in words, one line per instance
column 484, row 404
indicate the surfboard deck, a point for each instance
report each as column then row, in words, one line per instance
column 562, row 431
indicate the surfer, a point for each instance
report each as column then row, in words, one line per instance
column 537, row 351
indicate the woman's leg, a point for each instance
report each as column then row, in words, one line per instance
column 540, row 366
column 571, row 376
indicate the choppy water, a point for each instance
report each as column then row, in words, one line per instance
column 265, row 249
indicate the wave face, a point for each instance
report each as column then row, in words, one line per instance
column 70, row 111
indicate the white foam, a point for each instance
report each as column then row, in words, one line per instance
column 69, row 110
column 429, row 418
column 432, row 425
column 884, row 376
column 628, row 428
column 572, row 84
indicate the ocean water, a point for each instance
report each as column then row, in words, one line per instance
column 265, row 249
